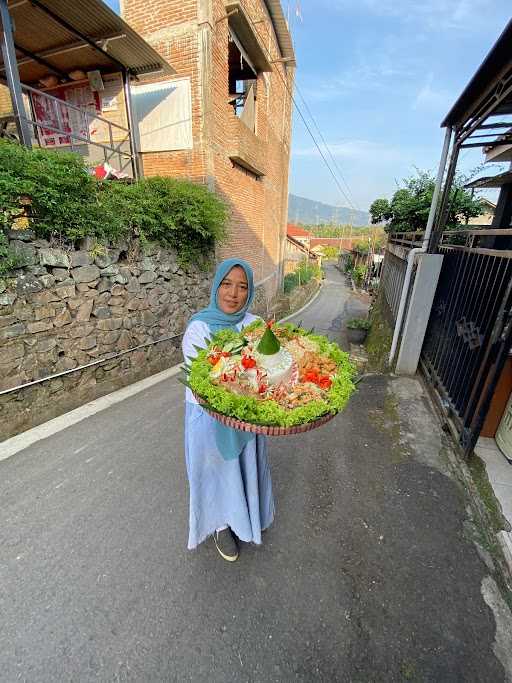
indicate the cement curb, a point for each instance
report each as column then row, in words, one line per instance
column 292, row 315
column 57, row 424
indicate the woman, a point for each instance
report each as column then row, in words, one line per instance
column 228, row 470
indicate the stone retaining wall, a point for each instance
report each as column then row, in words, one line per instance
column 67, row 308
column 286, row 304
column 301, row 295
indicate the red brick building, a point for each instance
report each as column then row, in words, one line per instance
column 235, row 68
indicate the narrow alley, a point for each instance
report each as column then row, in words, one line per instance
column 368, row 574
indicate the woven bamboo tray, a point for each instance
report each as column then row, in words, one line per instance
column 266, row 430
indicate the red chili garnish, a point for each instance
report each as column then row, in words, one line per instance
column 225, row 354
column 248, row 362
column 213, row 359
column 312, row 376
column 262, row 389
column 325, row 382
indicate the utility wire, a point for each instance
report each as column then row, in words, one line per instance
column 299, row 111
column 303, row 118
column 333, row 159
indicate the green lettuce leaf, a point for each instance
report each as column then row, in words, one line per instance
column 250, row 409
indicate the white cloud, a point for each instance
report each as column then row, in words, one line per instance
column 362, row 76
column 431, row 99
column 357, row 150
column 433, row 15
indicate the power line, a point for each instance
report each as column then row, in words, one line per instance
column 338, row 184
column 352, row 202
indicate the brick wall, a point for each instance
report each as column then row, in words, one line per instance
column 193, row 36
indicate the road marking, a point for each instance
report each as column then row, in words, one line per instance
column 31, row 436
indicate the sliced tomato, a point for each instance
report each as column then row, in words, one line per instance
column 325, row 382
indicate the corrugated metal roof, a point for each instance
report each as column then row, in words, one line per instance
column 38, row 32
column 281, row 28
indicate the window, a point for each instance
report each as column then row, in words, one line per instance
column 242, row 82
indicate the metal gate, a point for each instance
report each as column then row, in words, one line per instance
column 470, row 329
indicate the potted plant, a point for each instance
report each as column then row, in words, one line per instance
column 357, row 329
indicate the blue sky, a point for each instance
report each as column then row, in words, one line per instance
column 379, row 76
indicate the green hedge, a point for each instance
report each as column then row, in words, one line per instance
column 359, row 274
column 68, row 203
column 301, row 276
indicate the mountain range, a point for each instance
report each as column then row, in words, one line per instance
column 309, row 212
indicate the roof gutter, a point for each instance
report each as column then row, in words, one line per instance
column 284, row 39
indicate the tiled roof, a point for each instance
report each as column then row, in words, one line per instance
column 296, row 231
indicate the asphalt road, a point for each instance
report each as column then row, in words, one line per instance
column 335, row 304
column 366, row 575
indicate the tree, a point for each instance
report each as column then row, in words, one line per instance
column 380, row 211
column 409, row 208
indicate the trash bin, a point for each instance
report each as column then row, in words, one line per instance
column 504, row 433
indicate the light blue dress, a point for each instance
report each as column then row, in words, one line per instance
column 237, row 492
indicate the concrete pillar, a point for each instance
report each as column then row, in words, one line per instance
column 418, row 313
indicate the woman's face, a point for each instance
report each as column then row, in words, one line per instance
column 233, row 291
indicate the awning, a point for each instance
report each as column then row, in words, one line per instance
column 59, row 36
column 491, row 181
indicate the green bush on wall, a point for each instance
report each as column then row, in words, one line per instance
column 68, row 203
column 301, row 276
column 359, row 324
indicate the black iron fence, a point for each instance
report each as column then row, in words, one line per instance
column 469, row 331
column 394, row 267
column 392, row 281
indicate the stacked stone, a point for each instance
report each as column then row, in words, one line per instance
column 66, row 308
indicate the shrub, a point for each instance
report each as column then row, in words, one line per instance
column 8, row 258
column 349, row 263
column 359, row 273
column 290, row 282
column 330, row 252
column 174, row 213
column 61, row 191
column 67, row 203
column 304, row 272
column 361, row 247
column 359, row 324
